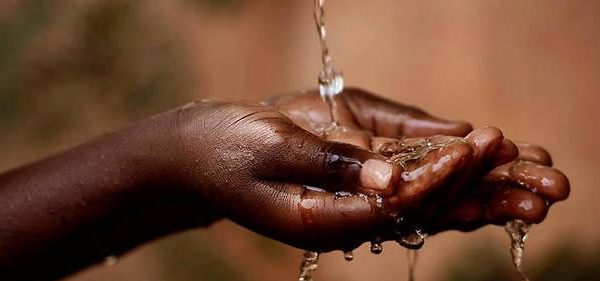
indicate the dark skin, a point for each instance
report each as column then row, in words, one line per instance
column 500, row 169
column 250, row 163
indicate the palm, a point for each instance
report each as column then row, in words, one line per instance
column 361, row 111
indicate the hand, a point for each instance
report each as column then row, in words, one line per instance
column 251, row 164
column 369, row 115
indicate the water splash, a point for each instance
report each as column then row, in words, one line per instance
column 376, row 247
column 348, row 255
column 110, row 261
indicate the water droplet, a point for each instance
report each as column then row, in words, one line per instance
column 428, row 142
column 363, row 196
column 342, row 195
column 376, row 248
column 348, row 255
column 378, row 201
column 110, row 260
column 400, row 220
column 413, row 240
column 331, row 83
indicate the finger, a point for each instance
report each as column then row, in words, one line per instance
column 490, row 148
column 306, row 219
column 391, row 119
column 467, row 215
column 534, row 153
column 429, row 168
column 429, row 163
column 506, row 152
column 305, row 158
column 484, row 142
column 502, row 205
column 549, row 183
column 508, row 203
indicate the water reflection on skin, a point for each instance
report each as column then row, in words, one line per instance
column 480, row 179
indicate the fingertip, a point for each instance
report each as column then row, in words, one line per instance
column 564, row 186
column 534, row 153
column 485, row 142
column 460, row 128
column 484, row 135
column 545, row 181
column 511, row 203
column 426, row 175
column 506, row 152
column 350, row 168
column 376, row 175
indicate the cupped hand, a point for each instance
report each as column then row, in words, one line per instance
column 523, row 188
column 276, row 169
column 254, row 165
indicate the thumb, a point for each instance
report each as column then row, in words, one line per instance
column 309, row 160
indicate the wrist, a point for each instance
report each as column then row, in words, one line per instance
column 159, row 158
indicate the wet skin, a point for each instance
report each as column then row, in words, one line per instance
column 250, row 163
column 484, row 179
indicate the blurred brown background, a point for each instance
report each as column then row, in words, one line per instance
column 70, row 70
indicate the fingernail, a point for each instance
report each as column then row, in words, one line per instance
column 376, row 174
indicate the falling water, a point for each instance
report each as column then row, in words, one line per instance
column 331, row 81
column 411, row 256
column 308, row 265
column 517, row 231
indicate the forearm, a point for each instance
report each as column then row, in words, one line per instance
column 98, row 199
